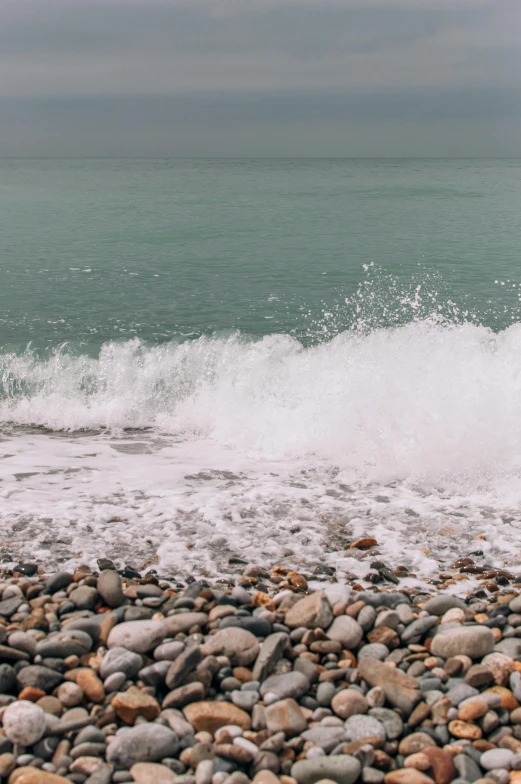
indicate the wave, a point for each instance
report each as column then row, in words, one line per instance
column 421, row 400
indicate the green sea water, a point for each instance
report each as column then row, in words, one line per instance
column 270, row 358
column 100, row 250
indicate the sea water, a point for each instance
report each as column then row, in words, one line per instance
column 260, row 358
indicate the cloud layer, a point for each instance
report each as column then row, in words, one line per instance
column 224, row 77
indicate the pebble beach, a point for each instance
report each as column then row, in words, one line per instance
column 272, row 676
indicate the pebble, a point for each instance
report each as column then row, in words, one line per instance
column 342, row 769
column 143, row 743
column 314, row 611
column 349, row 702
column 137, row 636
column 346, row 631
column 472, row 641
column 360, row 726
column 293, row 684
column 151, row 773
column 24, row 722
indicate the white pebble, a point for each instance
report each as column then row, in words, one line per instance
column 24, row 722
column 246, row 744
column 231, row 729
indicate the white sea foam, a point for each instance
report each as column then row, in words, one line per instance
column 412, row 434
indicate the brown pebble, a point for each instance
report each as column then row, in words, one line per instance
column 479, row 675
column 453, row 666
column 417, row 741
column 51, row 705
column 442, row 765
column 27, row 775
column 31, row 694
column 419, row 714
column 508, row 701
column 133, row 703
column 419, row 761
column 472, row 710
column 364, row 543
column 91, row 685
column 407, row 776
column 462, row 729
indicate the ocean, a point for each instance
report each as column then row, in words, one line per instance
column 210, row 360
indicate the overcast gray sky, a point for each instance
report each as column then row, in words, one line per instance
column 260, row 77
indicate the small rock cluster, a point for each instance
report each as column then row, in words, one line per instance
column 113, row 677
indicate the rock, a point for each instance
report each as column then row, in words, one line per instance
column 496, row 758
column 84, row 598
column 239, row 645
column 23, row 642
column 109, row 588
column 152, row 773
column 478, row 675
column 375, row 650
column 462, row 729
column 325, row 693
column 285, row 716
column 440, row 604
column 244, row 699
column 7, row 764
column 90, row 685
column 39, row 677
column 466, row 767
column 120, row 660
column 184, row 695
column 292, row 684
column 400, row 690
column 64, row 644
column 9, row 606
column 407, row 776
column 169, row 650
column 474, row 709
column 86, row 765
column 133, row 703
column 69, row 694
column 349, row 702
column 260, row 627
column 346, row 630
column 442, row 764
column 55, row 582
column 7, row 679
column 137, row 636
column 392, row 723
column 114, row 682
column 29, row 775
column 472, row 641
column 510, row 646
column 210, row 716
column 364, row 543
column 24, row 722
column 412, row 744
column 184, row 664
column 342, row 769
column 143, row 743
column 360, row 726
column 270, row 653
column 327, row 738
column 313, row 612
column 265, row 777
column 418, row 628
column 500, row 665
column 182, row 622
column 515, row 604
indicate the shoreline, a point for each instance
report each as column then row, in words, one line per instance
column 269, row 677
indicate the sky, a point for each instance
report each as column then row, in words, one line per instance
column 254, row 78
